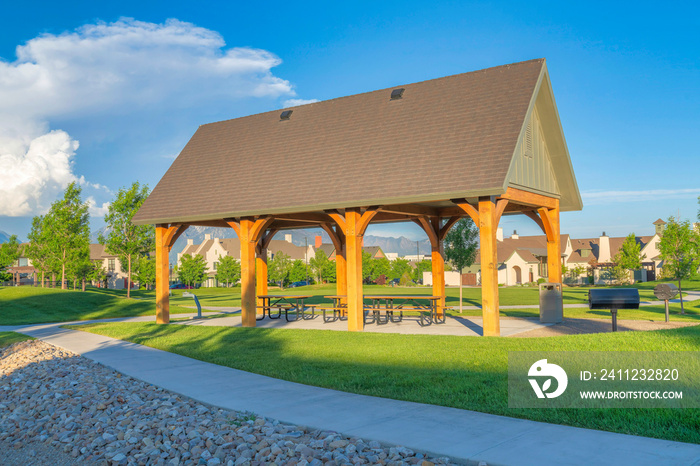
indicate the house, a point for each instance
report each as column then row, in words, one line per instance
column 22, row 270
column 211, row 249
column 374, row 251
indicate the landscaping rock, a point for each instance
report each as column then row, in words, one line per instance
column 58, row 405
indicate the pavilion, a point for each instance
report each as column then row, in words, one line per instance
column 481, row 144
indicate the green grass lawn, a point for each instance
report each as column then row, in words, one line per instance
column 30, row 305
column 7, row 338
column 461, row 372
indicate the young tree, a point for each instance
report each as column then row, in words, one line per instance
column 319, row 265
column 629, row 257
column 228, row 271
column 125, row 239
column 80, row 265
column 38, row 248
column 279, row 267
column 145, row 271
column 460, row 247
column 298, row 271
column 67, row 229
column 191, row 269
column 9, row 253
column 680, row 250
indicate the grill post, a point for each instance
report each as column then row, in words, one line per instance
column 666, row 306
column 614, row 319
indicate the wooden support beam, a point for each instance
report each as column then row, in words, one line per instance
column 353, row 248
column 235, row 224
column 552, row 230
column 162, row 276
column 338, row 218
column 447, row 226
column 247, row 272
column 468, row 209
column 431, row 226
column 489, row 266
column 260, row 276
column 304, row 217
column 500, row 207
column 535, row 218
column 410, row 209
column 365, row 218
column 527, row 198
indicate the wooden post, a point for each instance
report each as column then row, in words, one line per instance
column 162, row 276
column 489, row 266
column 438, row 269
column 554, row 246
column 247, row 273
column 353, row 249
column 261, row 275
column 341, row 272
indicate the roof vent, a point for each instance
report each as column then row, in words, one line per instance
column 396, row 94
column 286, row 114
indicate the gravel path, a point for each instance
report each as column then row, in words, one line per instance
column 580, row 326
column 58, row 408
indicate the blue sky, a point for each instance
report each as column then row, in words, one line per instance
column 108, row 94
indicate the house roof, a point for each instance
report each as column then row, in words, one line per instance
column 659, row 222
column 468, row 124
column 293, row 251
column 328, row 249
column 99, row 251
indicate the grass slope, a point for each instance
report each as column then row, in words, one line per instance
column 29, row 305
column 7, row 338
column 460, row 372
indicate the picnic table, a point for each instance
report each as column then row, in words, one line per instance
column 339, row 308
column 286, row 304
column 396, row 305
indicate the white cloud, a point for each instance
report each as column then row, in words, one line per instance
column 606, row 197
column 296, row 102
column 103, row 69
column 96, row 211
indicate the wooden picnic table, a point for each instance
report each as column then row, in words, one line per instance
column 399, row 303
column 286, row 303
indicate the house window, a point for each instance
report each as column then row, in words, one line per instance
column 23, row 262
column 216, row 264
column 111, row 265
column 585, row 252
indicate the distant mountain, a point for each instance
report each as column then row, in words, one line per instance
column 4, row 237
column 401, row 245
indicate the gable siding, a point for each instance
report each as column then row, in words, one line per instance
column 532, row 167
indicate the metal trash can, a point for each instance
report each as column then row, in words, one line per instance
column 551, row 303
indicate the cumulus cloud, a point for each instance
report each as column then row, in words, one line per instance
column 106, row 68
column 95, row 210
column 296, row 102
column 605, row 197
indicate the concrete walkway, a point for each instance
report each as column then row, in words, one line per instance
column 463, row 435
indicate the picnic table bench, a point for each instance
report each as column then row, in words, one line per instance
column 289, row 304
column 395, row 306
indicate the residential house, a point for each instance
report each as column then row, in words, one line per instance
column 117, row 277
column 211, row 249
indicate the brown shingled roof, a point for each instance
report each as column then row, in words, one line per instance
column 467, row 124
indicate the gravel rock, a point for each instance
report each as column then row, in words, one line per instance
column 58, row 408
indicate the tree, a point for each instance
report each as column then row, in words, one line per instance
column 145, row 271
column 460, row 247
column 319, row 265
column 98, row 273
column 279, row 267
column 228, row 271
column 399, row 267
column 80, row 265
column 680, row 249
column 9, row 253
column 125, row 239
column 382, row 266
column 422, row 266
column 629, row 257
column 66, row 229
column 367, row 265
column 191, row 269
column 38, row 248
column 298, row 271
